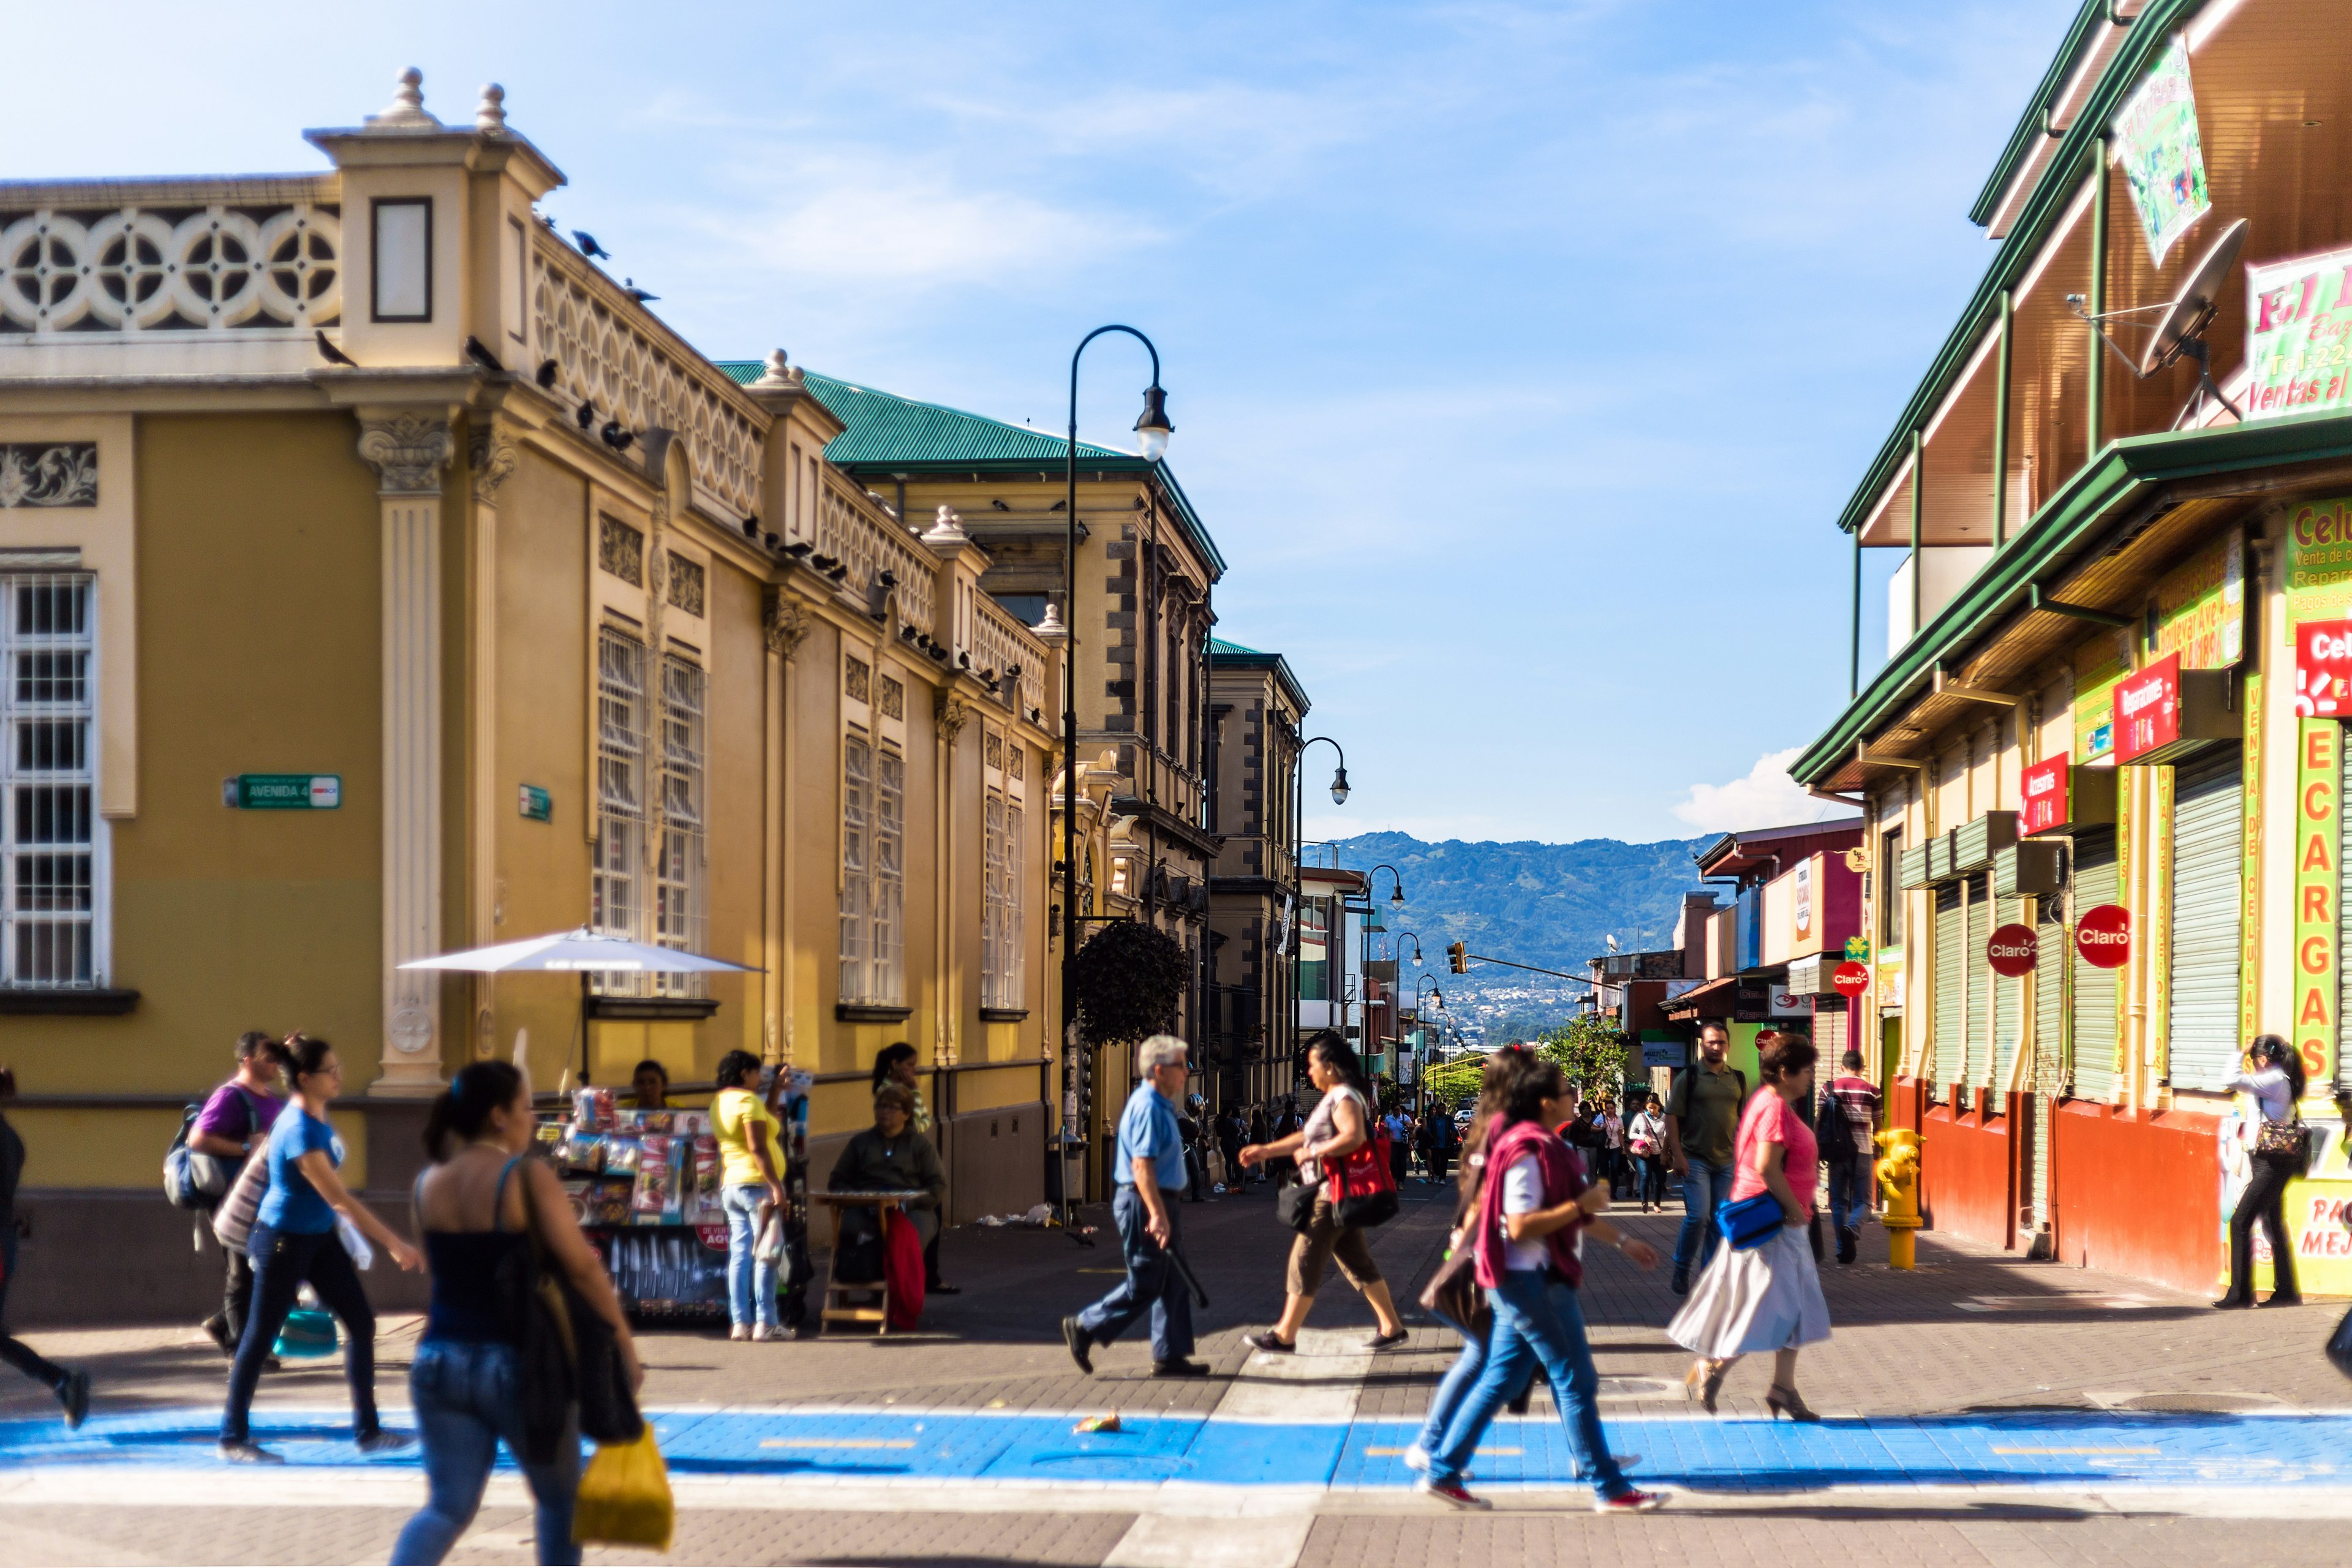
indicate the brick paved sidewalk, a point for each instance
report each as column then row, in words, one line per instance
column 1969, row 1328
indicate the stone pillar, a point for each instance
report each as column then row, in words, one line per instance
column 490, row 451
column 409, row 450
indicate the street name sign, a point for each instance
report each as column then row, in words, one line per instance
column 283, row 792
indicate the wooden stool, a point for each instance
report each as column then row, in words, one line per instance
column 837, row 1309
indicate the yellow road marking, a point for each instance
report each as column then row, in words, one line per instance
column 1483, row 1453
column 2077, row 1450
column 837, row 1443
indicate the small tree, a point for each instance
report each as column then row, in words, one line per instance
column 1456, row 1081
column 1593, row 1053
column 1127, row 980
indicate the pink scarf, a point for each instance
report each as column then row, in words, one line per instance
column 1563, row 1178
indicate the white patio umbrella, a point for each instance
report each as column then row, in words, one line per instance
column 583, row 953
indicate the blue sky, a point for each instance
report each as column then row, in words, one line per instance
column 1520, row 355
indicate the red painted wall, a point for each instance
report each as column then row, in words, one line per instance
column 1965, row 1170
column 2137, row 1193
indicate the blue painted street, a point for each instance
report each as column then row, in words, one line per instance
column 2037, row 1449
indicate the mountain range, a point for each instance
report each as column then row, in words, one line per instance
column 1551, row 905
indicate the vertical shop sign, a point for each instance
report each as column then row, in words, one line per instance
column 2161, row 153
column 2316, row 808
column 2159, row 945
column 2128, row 874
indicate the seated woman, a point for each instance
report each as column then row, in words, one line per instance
column 888, row 1157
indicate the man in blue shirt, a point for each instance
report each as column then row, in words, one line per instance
column 1148, row 1167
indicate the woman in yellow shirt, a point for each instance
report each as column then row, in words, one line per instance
column 750, row 1174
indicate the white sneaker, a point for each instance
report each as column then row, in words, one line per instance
column 762, row 1332
column 1416, row 1459
column 738, row 1332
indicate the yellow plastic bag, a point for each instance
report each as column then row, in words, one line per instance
column 624, row 1497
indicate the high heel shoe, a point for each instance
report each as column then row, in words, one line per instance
column 1704, row 1381
column 1789, row 1402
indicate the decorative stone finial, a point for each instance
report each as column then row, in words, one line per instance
column 948, row 529
column 780, row 371
column 490, row 115
column 406, row 110
column 1052, row 624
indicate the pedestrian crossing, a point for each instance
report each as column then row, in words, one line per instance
column 2071, row 1450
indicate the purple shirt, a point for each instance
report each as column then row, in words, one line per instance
column 231, row 1112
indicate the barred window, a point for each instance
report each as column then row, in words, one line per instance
column 617, row 901
column 53, row 938
column 681, row 883
column 873, row 873
column 1000, row 924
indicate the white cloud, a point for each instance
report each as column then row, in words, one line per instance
column 1767, row 797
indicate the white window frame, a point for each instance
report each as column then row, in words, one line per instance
column 1002, row 929
column 681, row 912
column 86, row 970
column 618, row 872
column 872, row 915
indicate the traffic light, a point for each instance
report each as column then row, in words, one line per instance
column 1457, row 958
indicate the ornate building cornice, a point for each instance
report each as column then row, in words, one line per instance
column 948, row 713
column 492, row 459
column 785, row 620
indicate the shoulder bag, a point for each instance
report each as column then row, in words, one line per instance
column 1452, row 1296
column 569, row 1357
column 233, row 1221
column 2284, row 1142
column 1751, row 1222
column 1295, row 1206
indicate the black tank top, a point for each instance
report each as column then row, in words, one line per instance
column 468, row 1304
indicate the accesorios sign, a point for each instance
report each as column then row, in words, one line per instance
column 2103, row 936
column 2011, row 950
column 2044, row 786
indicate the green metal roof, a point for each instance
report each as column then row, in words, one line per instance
column 2033, row 125
column 1234, row 655
column 885, row 427
column 2068, row 525
column 901, row 435
column 2018, row 252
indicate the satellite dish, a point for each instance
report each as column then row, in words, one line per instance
column 2180, row 333
column 2192, row 309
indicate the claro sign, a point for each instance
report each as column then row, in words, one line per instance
column 2323, row 669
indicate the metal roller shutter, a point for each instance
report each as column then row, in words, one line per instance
column 1950, row 988
column 2049, row 1044
column 1976, row 1057
column 2008, row 1002
column 2092, row 1064
column 1829, row 1038
column 2209, row 816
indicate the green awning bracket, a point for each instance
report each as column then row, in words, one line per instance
column 2034, row 600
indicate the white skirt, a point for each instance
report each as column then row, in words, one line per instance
column 1766, row 1299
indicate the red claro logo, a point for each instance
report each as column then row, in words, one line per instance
column 2012, row 950
column 2103, row 936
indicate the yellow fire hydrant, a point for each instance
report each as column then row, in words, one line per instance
column 1899, row 1178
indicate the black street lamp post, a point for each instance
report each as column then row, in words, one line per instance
column 1152, row 430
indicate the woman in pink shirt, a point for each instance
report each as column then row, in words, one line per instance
column 1767, row 1297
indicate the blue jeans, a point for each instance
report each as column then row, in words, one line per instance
column 1151, row 1284
column 1455, row 1386
column 1706, row 1189
column 1850, row 1194
column 1534, row 1324
column 467, row 1400
column 283, row 1261
column 750, row 1284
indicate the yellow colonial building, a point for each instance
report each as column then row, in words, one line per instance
column 378, row 578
